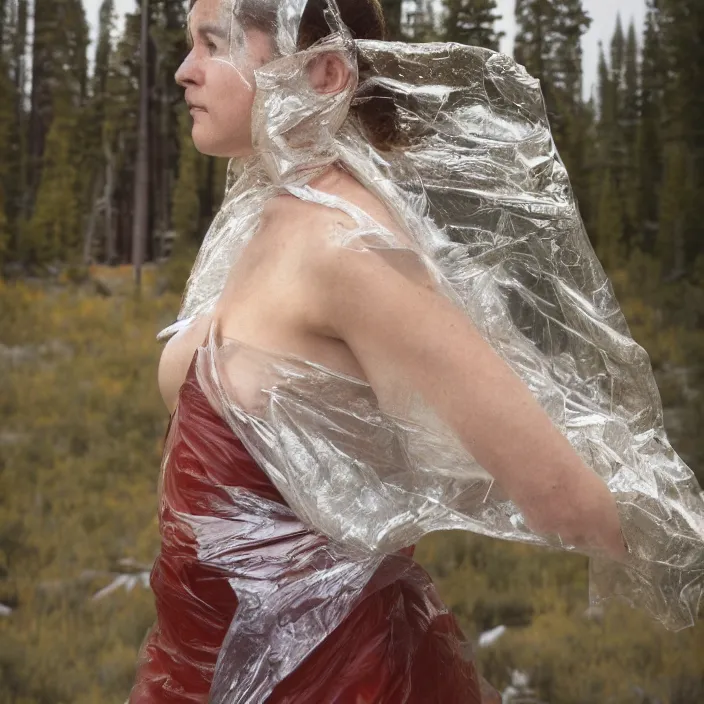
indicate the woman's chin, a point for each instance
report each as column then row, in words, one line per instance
column 209, row 145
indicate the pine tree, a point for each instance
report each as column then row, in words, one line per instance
column 19, row 201
column 571, row 23
column 472, row 22
column 631, row 88
column 60, row 66
column 3, row 13
column 617, row 140
column 170, row 44
column 573, row 125
column 681, row 24
column 618, row 53
column 675, row 202
column 103, row 53
column 536, row 20
column 548, row 44
column 96, row 128
column 59, row 92
column 6, row 120
column 12, row 124
column 609, row 246
column 606, row 93
column 649, row 132
column 54, row 231
column 612, row 131
column 140, row 226
column 629, row 118
column 608, row 218
column 120, row 140
column 186, row 210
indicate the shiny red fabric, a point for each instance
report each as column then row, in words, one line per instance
column 399, row 645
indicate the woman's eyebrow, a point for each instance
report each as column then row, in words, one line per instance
column 208, row 28
column 212, row 29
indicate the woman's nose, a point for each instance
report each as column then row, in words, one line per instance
column 188, row 72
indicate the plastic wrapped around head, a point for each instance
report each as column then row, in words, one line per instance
column 294, row 117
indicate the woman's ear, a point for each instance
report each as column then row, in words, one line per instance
column 329, row 73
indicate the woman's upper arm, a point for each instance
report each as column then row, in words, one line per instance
column 383, row 304
column 411, row 339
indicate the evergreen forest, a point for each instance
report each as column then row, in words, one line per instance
column 103, row 204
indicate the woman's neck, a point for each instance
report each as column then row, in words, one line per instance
column 330, row 179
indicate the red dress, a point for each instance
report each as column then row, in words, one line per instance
column 398, row 645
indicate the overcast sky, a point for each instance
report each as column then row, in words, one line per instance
column 602, row 12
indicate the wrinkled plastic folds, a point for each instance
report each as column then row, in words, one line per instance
column 487, row 203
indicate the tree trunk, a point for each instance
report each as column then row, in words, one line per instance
column 89, row 237
column 108, row 195
column 392, row 14
column 141, row 204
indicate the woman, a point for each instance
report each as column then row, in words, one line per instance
column 332, row 399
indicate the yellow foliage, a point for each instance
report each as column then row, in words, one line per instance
column 80, row 444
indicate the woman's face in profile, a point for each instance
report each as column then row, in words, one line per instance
column 218, row 75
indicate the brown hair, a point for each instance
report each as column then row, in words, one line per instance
column 374, row 106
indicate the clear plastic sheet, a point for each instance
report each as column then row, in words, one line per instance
column 486, row 213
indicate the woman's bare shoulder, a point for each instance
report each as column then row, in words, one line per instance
column 286, row 216
column 310, row 224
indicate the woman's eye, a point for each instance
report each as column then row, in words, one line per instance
column 211, row 46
